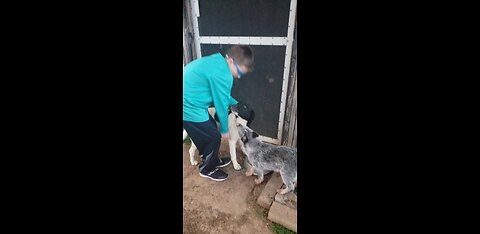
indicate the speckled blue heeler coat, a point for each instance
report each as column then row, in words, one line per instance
column 264, row 156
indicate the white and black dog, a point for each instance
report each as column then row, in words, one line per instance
column 244, row 116
column 265, row 156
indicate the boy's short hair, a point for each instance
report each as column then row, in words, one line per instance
column 243, row 55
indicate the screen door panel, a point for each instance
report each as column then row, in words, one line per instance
column 261, row 89
column 267, row 26
column 243, row 18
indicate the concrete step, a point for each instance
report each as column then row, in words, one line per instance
column 289, row 199
column 268, row 193
column 283, row 215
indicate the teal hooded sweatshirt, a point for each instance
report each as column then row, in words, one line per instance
column 207, row 82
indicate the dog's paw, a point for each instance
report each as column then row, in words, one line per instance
column 249, row 172
column 258, row 181
column 237, row 166
column 194, row 162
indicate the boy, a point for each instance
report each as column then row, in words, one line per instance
column 208, row 81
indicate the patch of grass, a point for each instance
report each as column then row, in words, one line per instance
column 279, row 229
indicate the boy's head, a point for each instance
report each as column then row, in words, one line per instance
column 240, row 60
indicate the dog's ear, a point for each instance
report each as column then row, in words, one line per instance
column 254, row 134
column 250, row 119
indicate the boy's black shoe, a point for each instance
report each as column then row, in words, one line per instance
column 224, row 162
column 216, row 174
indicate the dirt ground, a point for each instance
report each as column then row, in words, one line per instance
column 222, row 207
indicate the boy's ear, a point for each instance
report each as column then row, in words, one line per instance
column 254, row 134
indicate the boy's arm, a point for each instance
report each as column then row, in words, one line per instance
column 233, row 102
column 221, row 100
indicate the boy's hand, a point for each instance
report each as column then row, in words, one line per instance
column 226, row 136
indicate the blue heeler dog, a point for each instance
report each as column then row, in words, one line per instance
column 264, row 156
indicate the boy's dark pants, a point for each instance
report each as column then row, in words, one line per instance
column 207, row 138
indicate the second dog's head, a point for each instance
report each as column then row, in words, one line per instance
column 244, row 111
column 246, row 134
